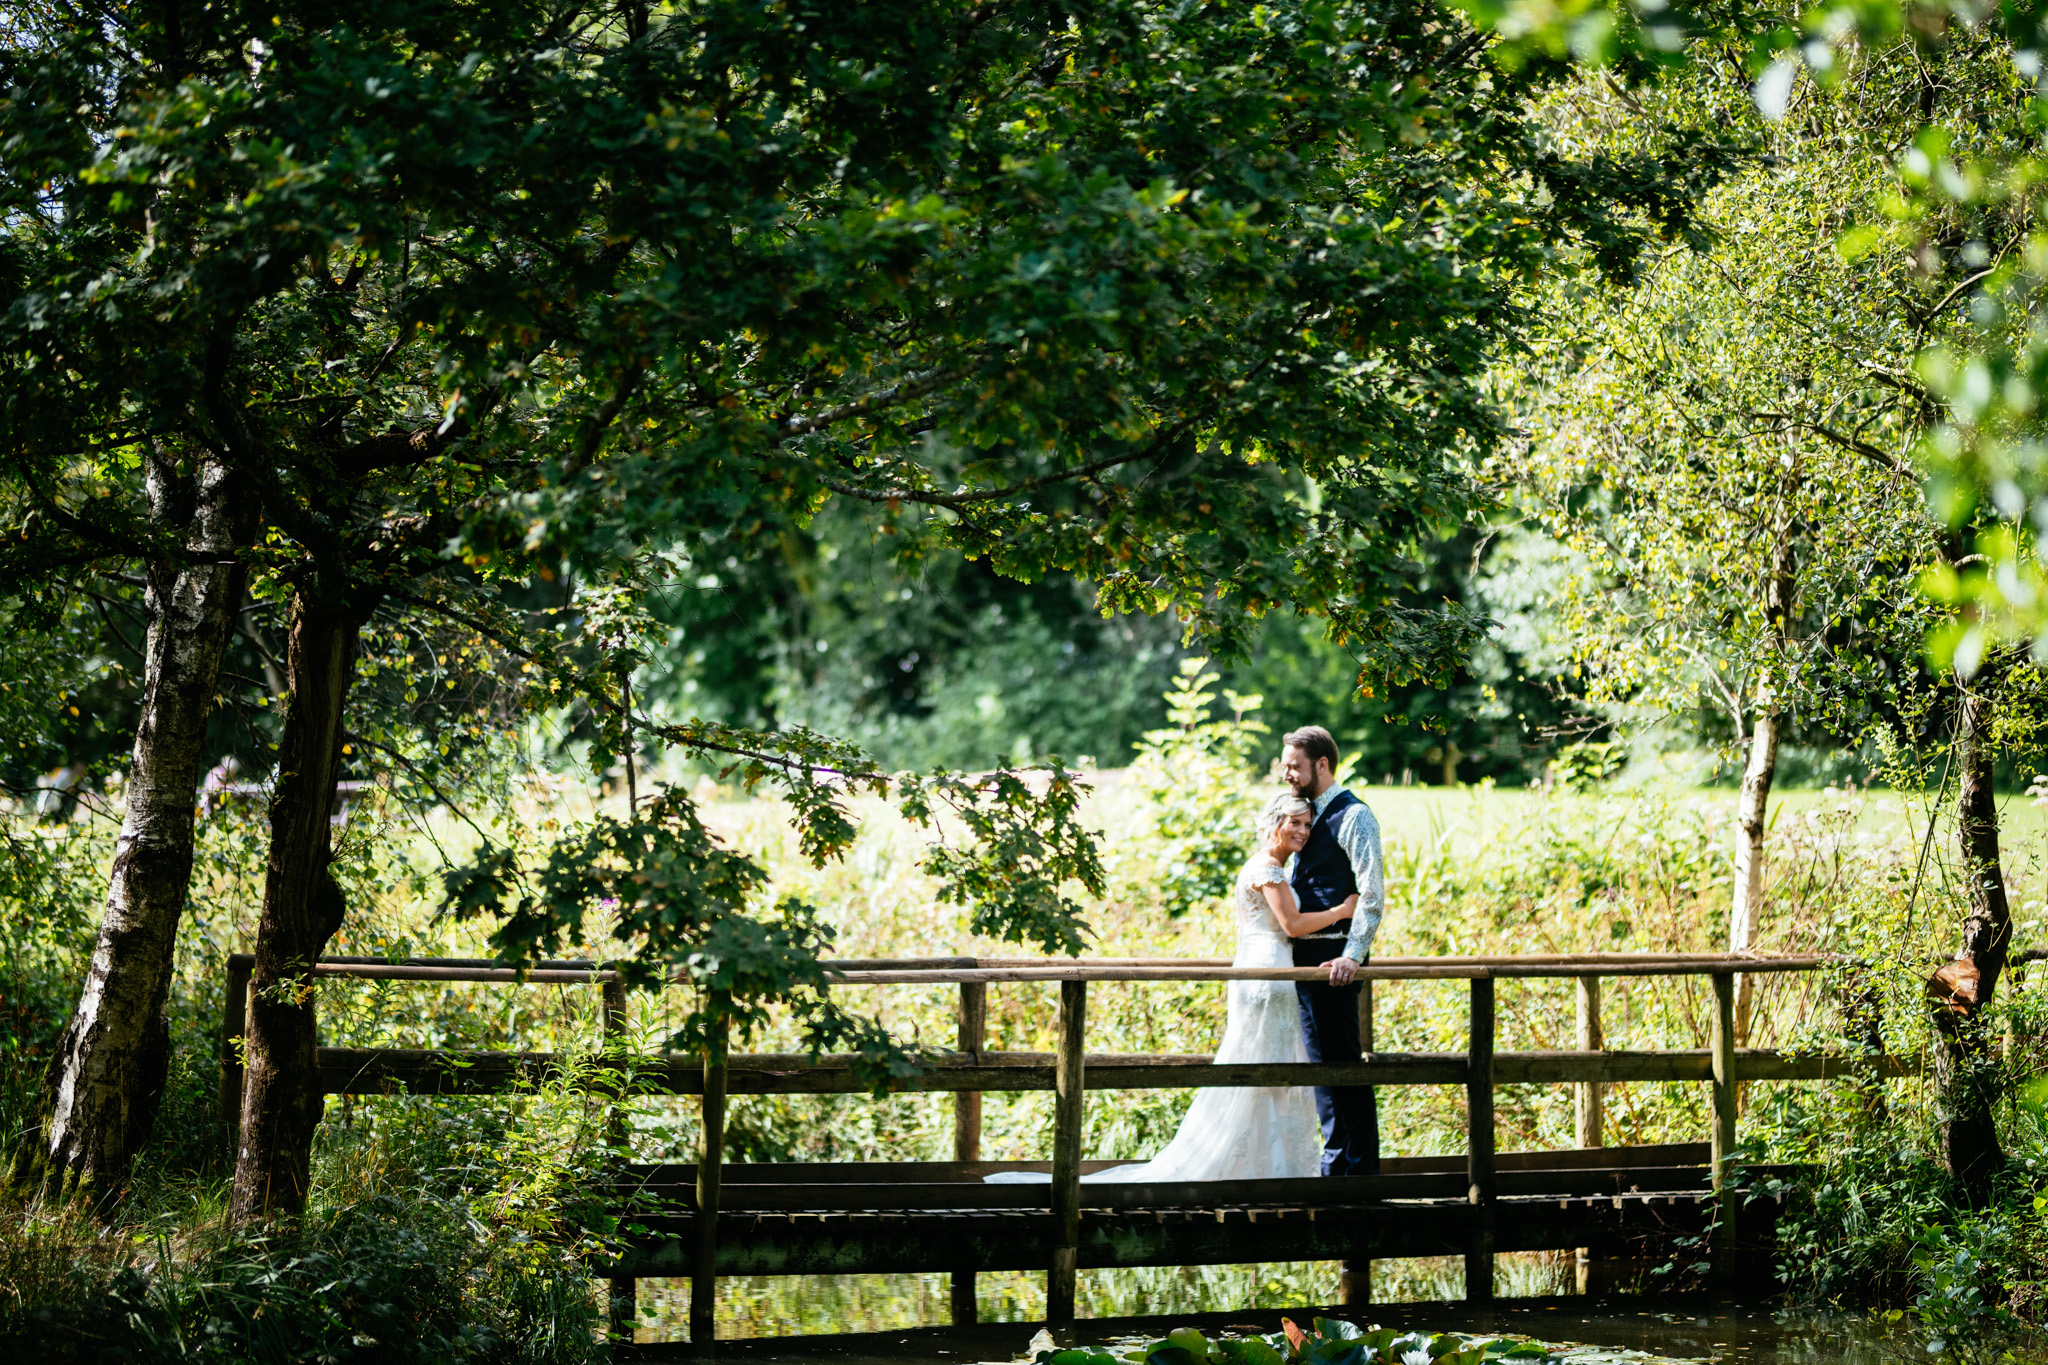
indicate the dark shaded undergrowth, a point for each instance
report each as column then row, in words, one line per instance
column 388, row 1279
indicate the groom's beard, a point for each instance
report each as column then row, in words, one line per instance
column 1304, row 791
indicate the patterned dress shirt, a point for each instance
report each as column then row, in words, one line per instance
column 1357, row 832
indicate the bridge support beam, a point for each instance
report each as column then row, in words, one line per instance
column 1722, row 1139
column 710, row 1157
column 973, row 1039
column 617, row 1050
column 1068, row 1082
column 1354, row 1282
column 1588, row 1112
column 1588, row 1108
column 624, row 1298
column 1479, row 1166
column 1354, row 1276
column 967, row 1126
column 966, row 1306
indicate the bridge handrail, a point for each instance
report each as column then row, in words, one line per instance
column 990, row 971
column 1708, row 959
column 1705, row 964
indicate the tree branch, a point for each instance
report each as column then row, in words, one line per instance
column 915, row 386
column 597, row 698
column 593, row 436
column 388, row 450
column 1905, row 384
column 107, row 539
column 956, row 501
column 413, row 768
column 1891, row 463
column 1950, row 297
column 393, row 449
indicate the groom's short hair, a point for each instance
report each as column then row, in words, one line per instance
column 1315, row 742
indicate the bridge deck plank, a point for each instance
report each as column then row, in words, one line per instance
column 1011, row 1239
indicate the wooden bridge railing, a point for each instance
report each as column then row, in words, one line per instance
column 1070, row 1072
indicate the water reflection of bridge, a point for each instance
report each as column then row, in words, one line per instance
column 712, row 1218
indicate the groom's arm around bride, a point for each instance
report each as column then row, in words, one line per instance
column 1342, row 858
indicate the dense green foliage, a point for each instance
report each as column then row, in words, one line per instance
column 948, row 663
column 414, row 314
column 768, row 462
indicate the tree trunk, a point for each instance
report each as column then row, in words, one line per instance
column 106, row 1078
column 302, row 907
column 1781, row 585
column 1966, row 1067
column 1751, row 816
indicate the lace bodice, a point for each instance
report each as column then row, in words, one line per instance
column 1259, row 935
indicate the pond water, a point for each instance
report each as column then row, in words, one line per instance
column 1617, row 1331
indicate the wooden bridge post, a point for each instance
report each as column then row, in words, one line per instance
column 612, row 1021
column 710, row 1156
column 625, row 1290
column 1588, row 1101
column 1354, row 1275
column 1863, row 1025
column 234, row 1020
column 1722, row 1140
column 1479, row 1163
column 967, row 1126
column 1588, row 1109
column 1062, row 1277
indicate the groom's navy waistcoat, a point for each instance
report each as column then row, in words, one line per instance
column 1322, row 870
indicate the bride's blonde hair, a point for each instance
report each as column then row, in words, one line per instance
column 1278, row 809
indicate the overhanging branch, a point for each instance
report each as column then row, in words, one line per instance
column 1891, row 463
column 596, row 697
column 916, row 386
column 955, row 502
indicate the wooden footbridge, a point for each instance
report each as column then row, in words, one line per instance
column 714, row 1217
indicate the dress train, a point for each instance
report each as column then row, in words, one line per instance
column 1248, row 1132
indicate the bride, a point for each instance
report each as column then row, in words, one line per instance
column 1262, row 1132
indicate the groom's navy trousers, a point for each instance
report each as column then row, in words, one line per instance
column 1329, row 1024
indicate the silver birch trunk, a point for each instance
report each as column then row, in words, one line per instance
column 1751, row 816
column 108, row 1073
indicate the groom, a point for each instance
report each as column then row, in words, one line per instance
column 1342, row 856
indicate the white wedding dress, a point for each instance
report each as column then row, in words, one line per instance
column 1250, row 1132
